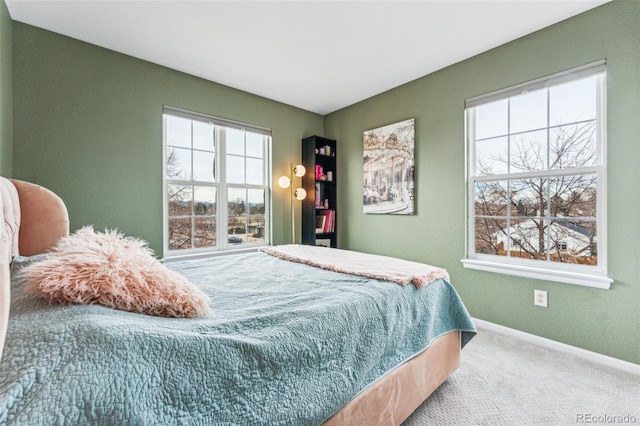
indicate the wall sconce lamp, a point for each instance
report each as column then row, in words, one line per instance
column 298, row 194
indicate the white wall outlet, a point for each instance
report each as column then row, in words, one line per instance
column 540, row 298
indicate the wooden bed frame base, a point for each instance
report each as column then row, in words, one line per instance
column 392, row 399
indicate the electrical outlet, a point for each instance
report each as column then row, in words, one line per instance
column 540, row 298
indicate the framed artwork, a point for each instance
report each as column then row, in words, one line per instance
column 388, row 156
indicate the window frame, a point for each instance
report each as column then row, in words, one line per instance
column 585, row 275
column 222, row 209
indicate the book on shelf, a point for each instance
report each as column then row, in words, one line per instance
column 320, row 222
column 328, row 221
column 319, row 195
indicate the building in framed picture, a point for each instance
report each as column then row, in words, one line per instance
column 388, row 185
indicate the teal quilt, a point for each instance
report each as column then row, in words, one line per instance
column 286, row 344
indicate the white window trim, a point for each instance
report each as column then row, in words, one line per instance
column 567, row 277
column 222, row 246
column 588, row 276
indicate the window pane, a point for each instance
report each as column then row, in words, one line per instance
column 237, row 199
column 179, row 198
column 179, row 234
column 178, row 131
column 492, row 156
column 204, row 234
column 491, row 119
column 573, row 146
column 235, row 141
column 203, row 136
column 204, row 166
column 574, row 101
column 573, row 196
column 237, row 231
column 573, row 241
column 527, row 238
column 255, row 145
column 179, row 163
column 255, row 229
column 235, row 169
column 528, row 197
column 255, row 171
column 256, row 201
column 491, row 198
column 528, row 111
column 256, row 219
column 528, row 152
column 490, row 236
column 204, row 200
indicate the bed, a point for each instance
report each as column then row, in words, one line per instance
column 286, row 343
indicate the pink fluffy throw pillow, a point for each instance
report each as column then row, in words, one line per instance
column 115, row 271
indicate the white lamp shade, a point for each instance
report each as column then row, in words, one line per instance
column 299, row 170
column 300, row 194
column 284, row 182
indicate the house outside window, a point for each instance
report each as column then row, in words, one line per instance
column 216, row 184
column 536, row 178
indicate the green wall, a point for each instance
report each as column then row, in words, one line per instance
column 88, row 125
column 604, row 321
column 6, row 87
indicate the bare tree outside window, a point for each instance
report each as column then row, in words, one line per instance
column 543, row 212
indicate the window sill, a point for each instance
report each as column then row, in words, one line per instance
column 206, row 254
column 568, row 277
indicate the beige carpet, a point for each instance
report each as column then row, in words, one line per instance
column 507, row 381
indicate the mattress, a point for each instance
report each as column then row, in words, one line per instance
column 286, row 344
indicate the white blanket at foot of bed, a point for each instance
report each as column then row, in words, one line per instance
column 378, row 267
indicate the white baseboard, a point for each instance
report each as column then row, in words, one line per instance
column 608, row 361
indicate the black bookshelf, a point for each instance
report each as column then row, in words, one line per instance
column 319, row 208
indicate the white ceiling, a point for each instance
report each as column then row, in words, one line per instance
column 317, row 55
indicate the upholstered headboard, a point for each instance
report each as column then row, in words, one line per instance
column 33, row 219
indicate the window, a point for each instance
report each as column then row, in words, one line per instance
column 216, row 184
column 536, row 179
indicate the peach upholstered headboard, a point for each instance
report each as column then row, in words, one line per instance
column 34, row 219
